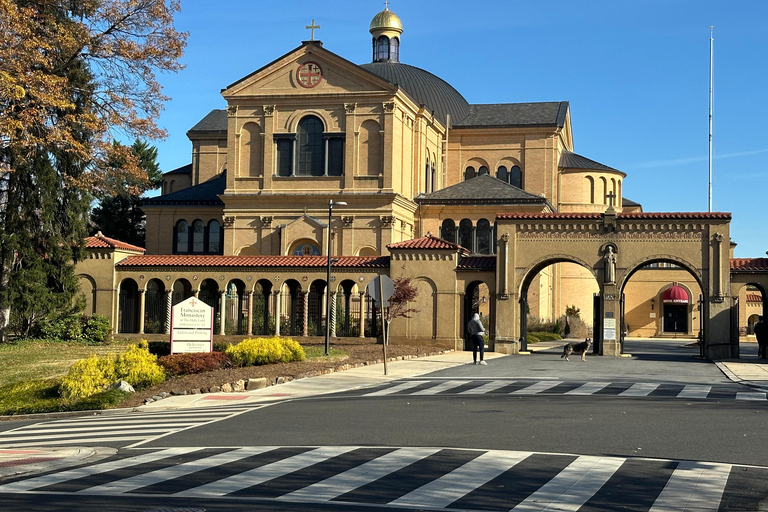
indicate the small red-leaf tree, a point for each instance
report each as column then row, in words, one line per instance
column 400, row 302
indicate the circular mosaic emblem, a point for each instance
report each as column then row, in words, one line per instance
column 309, row 74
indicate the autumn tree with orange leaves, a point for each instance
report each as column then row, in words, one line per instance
column 74, row 76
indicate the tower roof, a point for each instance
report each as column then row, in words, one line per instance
column 386, row 20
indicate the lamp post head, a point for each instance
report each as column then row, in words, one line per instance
column 332, row 203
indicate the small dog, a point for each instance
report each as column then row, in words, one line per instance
column 580, row 347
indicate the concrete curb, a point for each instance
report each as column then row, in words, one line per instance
column 732, row 376
column 22, row 461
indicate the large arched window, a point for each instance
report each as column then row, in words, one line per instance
column 310, row 155
column 469, row 173
column 182, row 237
column 502, row 174
column 591, row 186
column 394, row 49
column 448, row 230
column 482, row 170
column 483, row 234
column 516, row 177
column 198, row 236
column 381, row 49
column 465, row 234
column 214, row 237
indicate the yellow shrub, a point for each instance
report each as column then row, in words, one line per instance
column 138, row 367
column 257, row 351
column 87, row 377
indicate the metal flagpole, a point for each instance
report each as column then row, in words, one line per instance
column 711, row 102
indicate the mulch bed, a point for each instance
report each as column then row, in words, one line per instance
column 359, row 355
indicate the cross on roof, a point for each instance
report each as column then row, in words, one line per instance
column 386, row 5
column 312, row 27
column 610, row 196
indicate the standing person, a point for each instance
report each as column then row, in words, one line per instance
column 476, row 331
column 761, row 333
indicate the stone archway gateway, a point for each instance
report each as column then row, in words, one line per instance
column 613, row 246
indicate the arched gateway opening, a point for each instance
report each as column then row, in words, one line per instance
column 613, row 247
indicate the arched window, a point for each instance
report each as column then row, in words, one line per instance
column 483, row 234
column 465, row 234
column 591, row 185
column 516, row 177
column 394, row 50
column 604, row 184
column 214, row 237
column 310, row 155
column 482, row 170
column 433, row 176
column 427, row 182
column 198, row 236
column 502, row 174
column 469, row 173
column 182, row 237
column 448, row 230
column 382, row 48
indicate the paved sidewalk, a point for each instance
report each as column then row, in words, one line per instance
column 19, row 461
column 751, row 372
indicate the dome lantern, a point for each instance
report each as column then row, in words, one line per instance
column 386, row 28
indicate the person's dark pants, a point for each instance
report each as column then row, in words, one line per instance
column 478, row 341
column 762, row 351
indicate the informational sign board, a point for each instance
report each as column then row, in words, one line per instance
column 609, row 328
column 387, row 289
column 191, row 327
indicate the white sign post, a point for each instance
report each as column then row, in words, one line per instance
column 191, row 327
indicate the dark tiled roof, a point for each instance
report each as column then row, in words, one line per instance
column 477, row 263
column 204, row 194
column 479, row 190
column 100, row 241
column 193, row 260
column 570, row 160
column 550, row 113
column 629, row 202
column 749, row 264
column 427, row 242
column 215, row 122
column 184, row 169
column 621, row 216
column 425, row 88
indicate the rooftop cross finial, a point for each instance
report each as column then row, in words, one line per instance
column 610, row 196
column 312, row 27
column 386, row 5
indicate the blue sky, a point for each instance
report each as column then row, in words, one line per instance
column 636, row 74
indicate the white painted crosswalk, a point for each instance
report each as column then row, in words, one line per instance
column 118, row 428
column 427, row 387
column 425, row 478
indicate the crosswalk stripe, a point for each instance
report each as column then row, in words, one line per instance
column 640, row 389
column 58, row 442
column 445, row 386
column 146, row 479
column 743, row 395
column 694, row 391
column 573, row 486
column 106, row 428
column 144, row 417
column 72, row 474
column 267, row 472
column 87, row 434
column 694, row 486
column 537, row 387
column 395, row 389
column 588, row 388
column 445, row 490
column 487, row 387
column 357, row 477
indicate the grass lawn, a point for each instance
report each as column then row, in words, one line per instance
column 39, row 359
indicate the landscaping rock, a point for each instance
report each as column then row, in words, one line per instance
column 122, row 385
column 238, row 386
column 179, row 392
column 259, row 383
column 157, row 397
column 214, row 389
column 164, row 394
column 195, row 391
column 226, row 388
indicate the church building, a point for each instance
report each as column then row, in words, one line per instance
column 387, row 169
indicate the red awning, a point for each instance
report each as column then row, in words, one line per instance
column 675, row 295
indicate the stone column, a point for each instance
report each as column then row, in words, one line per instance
column 333, row 315
column 388, row 142
column 168, row 309
column 222, row 311
column 142, row 310
column 610, row 313
column 249, row 295
column 350, row 145
column 362, row 314
column 305, row 301
column 276, row 309
column 268, row 164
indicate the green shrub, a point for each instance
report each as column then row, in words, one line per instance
column 257, row 351
column 546, row 336
column 532, row 338
column 87, row 377
column 38, row 396
column 138, row 367
column 159, row 348
column 220, row 346
column 96, row 329
column 185, row 364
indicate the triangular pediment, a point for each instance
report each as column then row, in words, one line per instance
column 308, row 70
column 306, row 220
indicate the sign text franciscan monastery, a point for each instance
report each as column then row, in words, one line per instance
column 191, row 327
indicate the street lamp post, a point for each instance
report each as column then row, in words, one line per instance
column 331, row 204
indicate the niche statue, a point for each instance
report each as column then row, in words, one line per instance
column 610, row 265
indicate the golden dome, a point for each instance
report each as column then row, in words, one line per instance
column 386, row 20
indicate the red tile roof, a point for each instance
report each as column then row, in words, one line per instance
column 197, row 260
column 622, row 216
column 427, row 242
column 749, row 264
column 100, row 241
column 477, row 263
column 754, row 297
